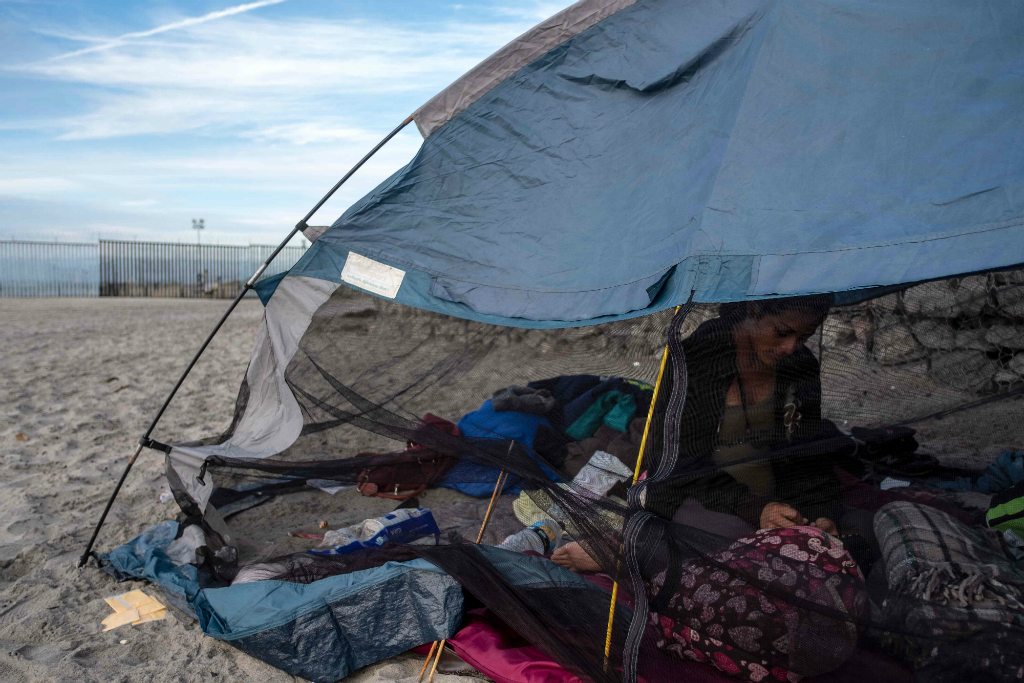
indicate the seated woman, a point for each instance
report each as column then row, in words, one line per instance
column 754, row 451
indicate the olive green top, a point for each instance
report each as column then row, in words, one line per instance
column 734, row 444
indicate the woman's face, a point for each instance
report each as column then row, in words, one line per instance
column 773, row 337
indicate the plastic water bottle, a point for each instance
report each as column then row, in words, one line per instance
column 543, row 537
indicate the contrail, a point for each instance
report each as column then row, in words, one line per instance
column 122, row 39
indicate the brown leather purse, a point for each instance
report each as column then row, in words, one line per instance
column 411, row 471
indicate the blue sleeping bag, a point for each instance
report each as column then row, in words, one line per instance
column 487, row 423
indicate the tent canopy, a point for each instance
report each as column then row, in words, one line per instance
column 605, row 165
column 623, row 153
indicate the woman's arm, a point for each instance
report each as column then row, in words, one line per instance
column 717, row 491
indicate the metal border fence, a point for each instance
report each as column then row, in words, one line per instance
column 135, row 269
column 34, row 269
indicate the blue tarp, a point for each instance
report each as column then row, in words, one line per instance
column 321, row 631
column 740, row 148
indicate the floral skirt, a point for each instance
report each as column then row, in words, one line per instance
column 779, row 604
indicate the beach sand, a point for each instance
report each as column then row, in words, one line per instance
column 81, row 378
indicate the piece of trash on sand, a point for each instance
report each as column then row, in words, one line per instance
column 401, row 526
column 165, row 496
column 133, row 607
column 21, row 436
column 323, row 524
column 891, row 483
column 124, row 642
column 303, row 534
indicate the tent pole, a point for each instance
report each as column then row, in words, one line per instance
column 145, row 441
column 636, row 476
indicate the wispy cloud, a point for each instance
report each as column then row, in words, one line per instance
column 242, row 117
column 251, row 74
column 184, row 23
column 312, row 132
column 36, row 186
column 536, row 12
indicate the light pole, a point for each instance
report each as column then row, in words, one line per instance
column 197, row 225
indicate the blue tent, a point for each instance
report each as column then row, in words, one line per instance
column 612, row 162
column 622, row 154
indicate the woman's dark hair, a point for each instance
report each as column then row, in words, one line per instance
column 815, row 304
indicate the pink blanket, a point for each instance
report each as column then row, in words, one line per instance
column 488, row 645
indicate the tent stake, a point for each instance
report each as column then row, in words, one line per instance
column 433, row 669
column 502, row 478
column 430, row 656
column 144, row 441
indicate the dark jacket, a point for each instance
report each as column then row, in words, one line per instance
column 801, row 445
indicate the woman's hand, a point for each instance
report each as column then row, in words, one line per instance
column 826, row 525
column 781, row 516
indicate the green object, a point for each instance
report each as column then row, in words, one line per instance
column 614, row 409
column 1007, row 510
column 621, row 413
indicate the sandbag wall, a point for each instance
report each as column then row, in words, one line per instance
column 965, row 333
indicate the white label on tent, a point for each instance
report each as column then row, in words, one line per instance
column 371, row 275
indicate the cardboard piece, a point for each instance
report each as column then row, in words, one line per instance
column 133, row 607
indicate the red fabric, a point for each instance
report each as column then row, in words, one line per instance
column 859, row 495
column 504, row 656
column 488, row 645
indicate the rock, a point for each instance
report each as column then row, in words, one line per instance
column 1008, row 277
column 964, row 370
column 894, row 344
column 931, row 298
column 837, row 333
column 1006, row 377
column 935, row 334
column 972, row 339
column 864, row 327
column 948, row 298
column 886, row 304
column 697, row 317
column 1010, row 301
column 1006, row 336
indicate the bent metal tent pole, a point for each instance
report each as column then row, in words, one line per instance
column 144, row 440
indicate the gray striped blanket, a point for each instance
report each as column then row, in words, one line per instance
column 955, row 594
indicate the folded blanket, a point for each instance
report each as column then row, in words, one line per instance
column 954, row 593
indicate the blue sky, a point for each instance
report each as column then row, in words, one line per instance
column 126, row 120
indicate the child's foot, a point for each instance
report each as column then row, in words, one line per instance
column 572, row 556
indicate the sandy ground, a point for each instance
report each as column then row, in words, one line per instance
column 81, row 378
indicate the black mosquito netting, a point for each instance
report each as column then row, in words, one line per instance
column 807, row 503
